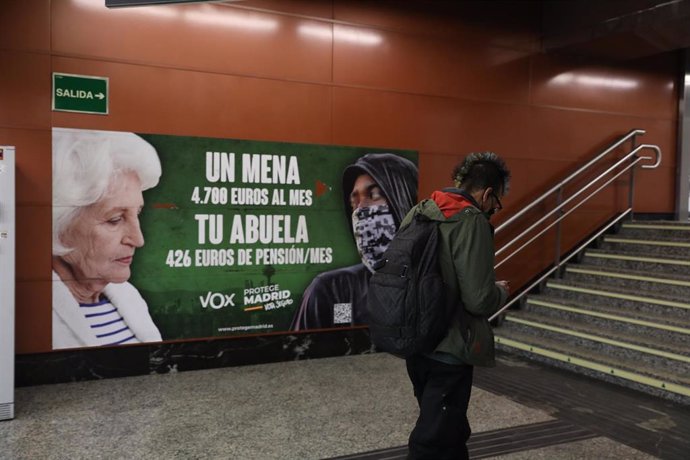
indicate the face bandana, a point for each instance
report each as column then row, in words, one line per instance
column 374, row 228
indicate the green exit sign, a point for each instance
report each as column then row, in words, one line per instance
column 80, row 93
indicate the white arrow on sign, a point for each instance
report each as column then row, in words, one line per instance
column 100, row 95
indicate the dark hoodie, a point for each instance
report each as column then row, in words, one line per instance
column 337, row 298
column 396, row 176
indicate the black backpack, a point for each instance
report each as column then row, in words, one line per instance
column 408, row 310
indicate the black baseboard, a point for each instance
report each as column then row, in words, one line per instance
column 126, row 361
column 654, row 216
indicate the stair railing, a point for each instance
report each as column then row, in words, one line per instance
column 607, row 177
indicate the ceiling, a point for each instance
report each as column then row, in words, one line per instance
column 615, row 29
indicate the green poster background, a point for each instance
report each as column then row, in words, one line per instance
column 165, row 269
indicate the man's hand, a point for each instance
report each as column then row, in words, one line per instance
column 505, row 284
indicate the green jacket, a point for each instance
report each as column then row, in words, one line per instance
column 466, row 257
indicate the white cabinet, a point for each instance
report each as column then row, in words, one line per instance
column 7, row 283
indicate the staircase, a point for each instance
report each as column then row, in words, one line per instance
column 621, row 314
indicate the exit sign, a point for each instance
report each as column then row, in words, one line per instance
column 80, row 93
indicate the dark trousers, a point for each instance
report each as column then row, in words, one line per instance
column 443, row 393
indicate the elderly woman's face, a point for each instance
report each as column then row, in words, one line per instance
column 105, row 234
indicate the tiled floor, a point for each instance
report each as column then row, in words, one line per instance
column 353, row 407
column 650, row 424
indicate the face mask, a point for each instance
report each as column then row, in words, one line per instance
column 374, row 228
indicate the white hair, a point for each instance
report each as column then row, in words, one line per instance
column 85, row 162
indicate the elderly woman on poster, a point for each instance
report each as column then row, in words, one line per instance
column 98, row 179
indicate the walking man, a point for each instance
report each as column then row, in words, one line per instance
column 442, row 380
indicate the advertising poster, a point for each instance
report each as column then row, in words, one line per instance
column 159, row 237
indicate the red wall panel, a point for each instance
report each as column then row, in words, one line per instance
column 33, row 330
column 33, row 180
column 24, row 90
column 25, row 25
column 646, row 89
column 457, row 68
column 34, row 245
column 204, row 37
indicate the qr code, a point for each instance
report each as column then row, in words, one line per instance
column 342, row 313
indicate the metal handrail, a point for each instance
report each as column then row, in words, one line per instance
column 553, row 269
column 559, row 208
column 566, row 214
column 575, row 195
column 621, row 141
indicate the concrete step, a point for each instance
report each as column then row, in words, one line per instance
column 674, row 264
column 625, row 372
column 652, row 351
column 672, row 283
column 643, row 245
column 647, row 327
column 665, row 230
column 624, row 299
column 622, row 314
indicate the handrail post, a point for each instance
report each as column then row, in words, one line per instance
column 631, row 185
column 557, row 259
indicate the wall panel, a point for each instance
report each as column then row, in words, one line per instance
column 395, row 61
column 25, row 90
column 33, row 160
column 502, row 24
column 33, row 332
column 426, row 123
column 34, row 243
column 646, row 89
column 25, row 25
column 312, row 8
column 206, row 37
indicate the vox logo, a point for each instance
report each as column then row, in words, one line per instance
column 217, row 300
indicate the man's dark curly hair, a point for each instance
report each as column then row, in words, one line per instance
column 482, row 170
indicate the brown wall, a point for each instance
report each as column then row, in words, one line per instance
column 328, row 72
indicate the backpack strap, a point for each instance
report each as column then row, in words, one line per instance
column 390, row 268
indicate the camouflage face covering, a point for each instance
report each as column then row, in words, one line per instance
column 374, row 229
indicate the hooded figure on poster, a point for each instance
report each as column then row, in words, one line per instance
column 378, row 191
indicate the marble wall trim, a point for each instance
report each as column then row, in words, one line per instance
column 125, row 361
